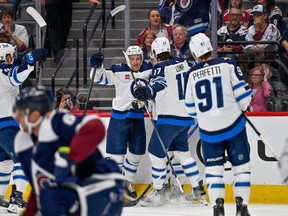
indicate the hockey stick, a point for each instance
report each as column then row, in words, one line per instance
column 262, row 138
column 110, row 15
column 155, row 129
column 135, row 202
column 43, row 25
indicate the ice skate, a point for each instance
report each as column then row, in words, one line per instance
column 154, row 198
column 16, row 201
column 218, row 209
column 241, row 209
column 175, row 193
column 3, row 202
column 166, row 193
column 200, row 194
column 129, row 190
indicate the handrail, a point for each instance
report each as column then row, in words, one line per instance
column 75, row 41
column 85, row 43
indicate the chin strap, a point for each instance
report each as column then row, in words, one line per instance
column 31, row 125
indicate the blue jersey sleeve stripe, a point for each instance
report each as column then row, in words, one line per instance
column 239, row 85
column 246, row 94
column 14, row 74
column 190, row 104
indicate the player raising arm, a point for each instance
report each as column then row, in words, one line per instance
column 126, row 127
column 217, row 95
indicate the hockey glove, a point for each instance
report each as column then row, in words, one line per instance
column 36, row 55
column 65, row 168
column 96, row 60
column 144, row 93
column 139, row 106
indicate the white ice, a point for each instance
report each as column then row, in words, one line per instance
column 194, row 210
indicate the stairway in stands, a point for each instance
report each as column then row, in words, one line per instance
column 101, row 96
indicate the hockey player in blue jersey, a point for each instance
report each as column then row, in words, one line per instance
column 167, row 88
column 59, row 153
column 10, row 78
column 126, row 136
column 217, row 95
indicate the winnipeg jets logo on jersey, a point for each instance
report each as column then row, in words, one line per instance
column 140, row 82
column 185, row 4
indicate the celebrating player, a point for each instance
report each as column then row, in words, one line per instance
column 126, row 126
column 217, row 95
column 10, row 79
column 167, row 87
column 66, row 168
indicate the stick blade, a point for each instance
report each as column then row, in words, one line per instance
column 117, row 10
column 36, row 16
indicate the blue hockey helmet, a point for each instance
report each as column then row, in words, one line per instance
column 35, row 98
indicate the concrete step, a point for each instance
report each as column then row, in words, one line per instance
column 109, row 42
column 71, row 62
column 110, row 33
column 83, row 14
column 138, row 23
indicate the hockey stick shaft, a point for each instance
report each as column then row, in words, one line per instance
column 110, row 15
column 43, row 25
column 262, row 138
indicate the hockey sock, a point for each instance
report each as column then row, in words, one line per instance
column 119, row 159
column 19, row 178
column 159, row 171
column 189, row 167
column 6, row 168
column 130, row 166
column 242, row 182
column 215, row 183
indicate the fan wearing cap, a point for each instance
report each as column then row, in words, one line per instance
column 217, row 95
column 262, row 30
column 126, row 128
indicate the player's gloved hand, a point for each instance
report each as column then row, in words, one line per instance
column 96, row 60
column 65, row 168
column 139, row 106
column 144, row 93
column 36, row 55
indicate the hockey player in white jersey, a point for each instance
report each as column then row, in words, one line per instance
column 10, row 78
column 167, row 87
column 126, row 127
column 217, row 95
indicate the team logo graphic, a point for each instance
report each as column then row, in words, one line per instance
column 185, row 4
column 139, row 82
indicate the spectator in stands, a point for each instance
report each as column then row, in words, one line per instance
column 59, row 20
column 17, row 33
column 97, row 2
column 147, row 39
column 274, row 13
column 244, row 18
column 284, row 45
column 262, row 30
column 155, row 24
column 180, row 45
column 194, row 15
column 279, row 89
column 261, row 89
column 65, row 99
column 233, row 32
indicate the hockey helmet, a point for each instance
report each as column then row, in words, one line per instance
column 6, row 49
column 160, row 45
column 35, row 98
column 134, row 50
column 200, row 44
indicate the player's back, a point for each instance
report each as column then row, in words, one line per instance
column 170, row 101
column 219, row 95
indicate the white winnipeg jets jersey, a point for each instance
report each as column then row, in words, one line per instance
column 168, row 81
column 120, row 76
column 10, row 79
column 217, row 95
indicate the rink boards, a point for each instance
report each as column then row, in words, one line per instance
column 266, row 185
column 266, row 182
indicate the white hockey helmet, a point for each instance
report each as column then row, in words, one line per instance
column 6, row 49
column 200, row 44
column 160, row 45
column 134, row 50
